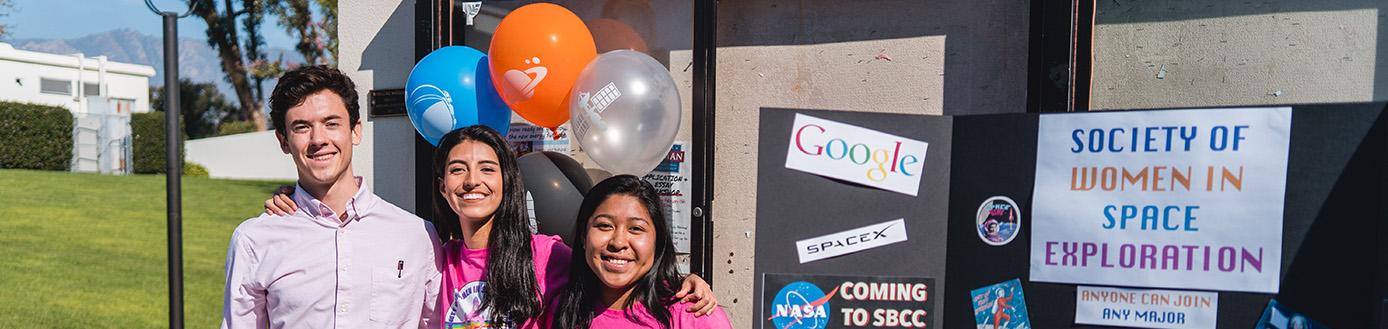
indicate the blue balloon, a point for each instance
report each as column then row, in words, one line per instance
column 452, row 88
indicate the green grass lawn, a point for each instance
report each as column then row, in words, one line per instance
column 90, row 251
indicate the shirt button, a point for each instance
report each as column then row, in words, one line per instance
column 343, row 308
column 344, row 269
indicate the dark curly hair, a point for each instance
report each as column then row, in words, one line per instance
column 295, row 86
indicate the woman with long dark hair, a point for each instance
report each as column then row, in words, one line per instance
column 495, row 272
column 480, row 207
column 624, row 275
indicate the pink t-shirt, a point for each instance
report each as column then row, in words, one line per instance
column 679, row 318
column 465, row 275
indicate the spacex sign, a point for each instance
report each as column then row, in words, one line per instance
column 851, row 241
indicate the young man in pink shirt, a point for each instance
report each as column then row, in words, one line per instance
column 346, row 258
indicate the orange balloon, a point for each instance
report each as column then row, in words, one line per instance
column 536, row 54
column 611, row 34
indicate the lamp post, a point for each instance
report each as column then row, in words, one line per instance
column 173, row 162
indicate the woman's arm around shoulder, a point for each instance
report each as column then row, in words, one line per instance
column 717, row 319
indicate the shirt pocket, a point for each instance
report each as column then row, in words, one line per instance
column 395, row 298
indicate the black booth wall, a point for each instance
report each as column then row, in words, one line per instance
column 1335, row 255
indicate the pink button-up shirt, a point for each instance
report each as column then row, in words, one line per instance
column 375, row 269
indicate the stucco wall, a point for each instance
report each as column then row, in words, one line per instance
column 946, row 57
column 255, row 155
column 1160, row 54
column 376, row 40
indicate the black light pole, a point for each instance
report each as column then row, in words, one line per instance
column 173, row 163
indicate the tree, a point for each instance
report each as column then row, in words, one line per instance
column 7, row 8
column 329, row 28
column 254, row 44
column 317, row 38
column 222, row 35
column 203, row 108
column 243, row 59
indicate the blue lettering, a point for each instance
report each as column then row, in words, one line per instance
column 1168, row 137
column 830, row 149
column 1147, row 145
column 1129, row 212
column 1079, row 145
column 1108, row 215
column 1238, row 136
column 1149, row 213
column 903, row 164
column 1134, row 146
column 1113, row 139
column 1096, row 147
column 1166, row 218
column 1190, row 216
column 1188, row 138
column 1218, row 138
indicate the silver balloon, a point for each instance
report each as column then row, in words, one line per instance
column 625, row 111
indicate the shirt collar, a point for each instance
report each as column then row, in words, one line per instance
column 360, row 203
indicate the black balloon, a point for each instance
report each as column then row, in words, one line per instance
column 557, row 183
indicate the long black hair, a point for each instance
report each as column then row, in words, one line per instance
column 655, row 289
column 511, row 291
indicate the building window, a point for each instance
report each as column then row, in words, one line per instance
column 91, row 89
column 55, row 86
column 125, row 106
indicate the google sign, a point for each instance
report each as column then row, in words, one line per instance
column 855, row 154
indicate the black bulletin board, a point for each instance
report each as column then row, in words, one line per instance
column 793, row 205
column 1335, row 255
column 1334, row 265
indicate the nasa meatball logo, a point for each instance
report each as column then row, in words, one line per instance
column 796, row 301
column 801, row 305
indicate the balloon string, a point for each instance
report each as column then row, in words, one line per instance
column 556, row 133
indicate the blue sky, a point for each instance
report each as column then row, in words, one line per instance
column 64, row 19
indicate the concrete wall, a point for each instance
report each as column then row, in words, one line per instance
column 1160, row 54
column 376, row 40
column 946, row 57
column 254, row 155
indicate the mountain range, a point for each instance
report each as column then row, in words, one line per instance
column 197, row 61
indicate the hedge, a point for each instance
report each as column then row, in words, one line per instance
column 235, row 127
column 35, row 136
column 193, row 169
column 148, row 132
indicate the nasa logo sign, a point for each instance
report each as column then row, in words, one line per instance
column 797, row 301
column 800, row 305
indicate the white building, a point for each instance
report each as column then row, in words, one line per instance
column 101, row 95
column 70, row 80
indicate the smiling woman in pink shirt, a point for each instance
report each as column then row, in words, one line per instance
column 495, row 273
column 624, row 276
column 494, row 266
